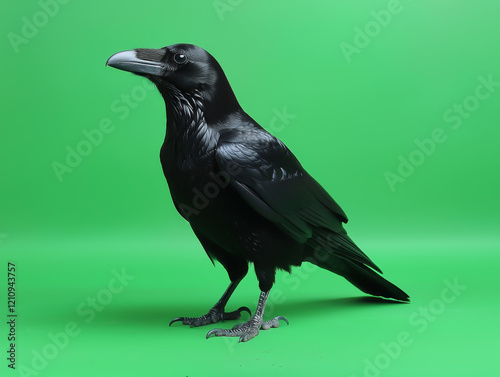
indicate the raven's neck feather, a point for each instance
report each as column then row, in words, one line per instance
column 187, row 129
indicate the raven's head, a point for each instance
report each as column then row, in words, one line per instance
column 180, row 70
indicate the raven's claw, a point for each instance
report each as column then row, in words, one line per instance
column 213, row 316
column 248, row 330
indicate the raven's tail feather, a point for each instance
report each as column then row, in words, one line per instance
column 362, row 277
column 372, row 283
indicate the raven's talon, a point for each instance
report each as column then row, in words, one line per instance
column 273, row 323
column 193, row 321
column 176, row 320
column 215, row 332
column 236, row 314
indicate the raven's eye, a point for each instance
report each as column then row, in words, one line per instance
column 180, row 58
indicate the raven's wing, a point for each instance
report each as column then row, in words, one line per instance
column 271, row 180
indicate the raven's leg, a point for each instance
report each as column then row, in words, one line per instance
column 250, row 329
column 236, row 268
column 217, row 313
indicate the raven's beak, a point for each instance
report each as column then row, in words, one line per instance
column 137, row 61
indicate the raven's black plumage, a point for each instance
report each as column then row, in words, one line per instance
column 244, row 193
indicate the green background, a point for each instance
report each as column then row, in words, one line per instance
column 352, row 118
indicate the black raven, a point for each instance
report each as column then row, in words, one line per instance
column 245, row 195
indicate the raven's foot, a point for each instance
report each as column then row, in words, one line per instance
column 215, row 315
column 248, row 330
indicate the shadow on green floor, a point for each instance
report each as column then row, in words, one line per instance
column 162, row 313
